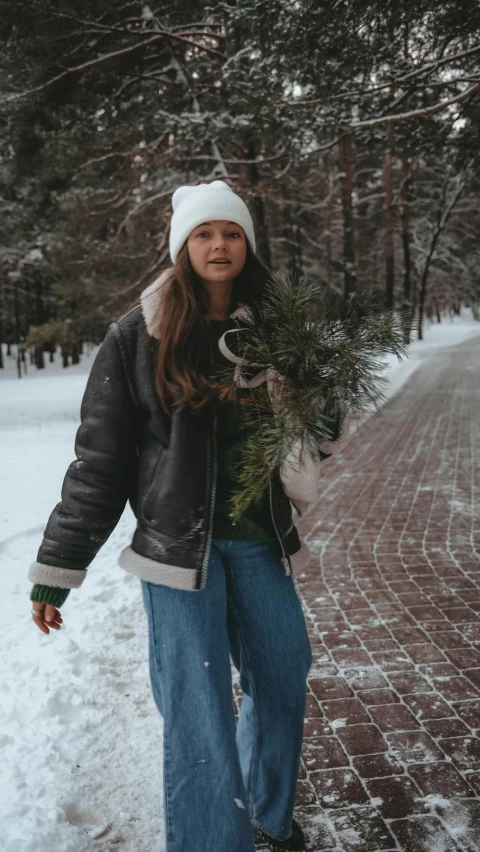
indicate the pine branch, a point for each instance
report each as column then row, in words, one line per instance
column 320, row 369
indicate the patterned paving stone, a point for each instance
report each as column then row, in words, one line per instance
column 395, row 796
column 462, row 820
column 394, row 717
column 469, row 712
column 464, row 658
column 391, row 599
column 329, row 687
column 427, row 706
column 377, row 765
column 365, row 679
column 474, row 676
column 323, row 753
column 314, row 728
column 412, row 746
column 464, row 751
column 445, row 728
column 377, row 696
column 405, row 684
column 473, row 778
column 361, row 828
column 455, row 688
column 424, row 653
column 362, row 739
column 338, row 787
column 313, row 709
column 451, row 639
column 348, row 710
column 305, row 794
column 439, row 779
column 423, row 833
column 393, row 661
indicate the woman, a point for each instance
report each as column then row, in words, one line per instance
column 155, row 430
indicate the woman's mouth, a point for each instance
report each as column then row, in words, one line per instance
column 219, row 261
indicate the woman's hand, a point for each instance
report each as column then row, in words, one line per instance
column 47, row 615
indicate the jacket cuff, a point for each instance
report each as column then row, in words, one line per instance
column 52, row 575
column 49, row 595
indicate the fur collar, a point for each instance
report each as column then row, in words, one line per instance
column 150, row 301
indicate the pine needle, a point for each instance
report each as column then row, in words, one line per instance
column 330, row 366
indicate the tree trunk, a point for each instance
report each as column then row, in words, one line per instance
column 437, row 311
column 249, row 171
column 76, row 351
column 328, row 241
column 407, row 307
column 39, row 360
column 388, row 222
column 421, row 304
column 17, row 329
column 257, row 210
column 345, row 163
column 445, row 209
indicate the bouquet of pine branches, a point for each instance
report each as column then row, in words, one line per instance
column 310, row 372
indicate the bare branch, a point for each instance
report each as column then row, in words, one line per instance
column 83, row 66
column 229, row 160
column 395, row 81
column 141, row 206
column 325, row 147
column 416, row 113
column 100, row 59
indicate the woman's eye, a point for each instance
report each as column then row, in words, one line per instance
column 232, row 234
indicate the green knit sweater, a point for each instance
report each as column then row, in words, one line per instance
column 256, row 523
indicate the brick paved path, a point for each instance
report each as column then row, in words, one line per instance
column 391, row 757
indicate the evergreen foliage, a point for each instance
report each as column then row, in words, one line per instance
column 106, row 108
column 324, row 363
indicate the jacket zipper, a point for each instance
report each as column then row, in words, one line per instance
column 285, row 561
column 206, row 555
column 203, row 576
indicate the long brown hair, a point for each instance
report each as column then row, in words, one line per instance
column 183, row 357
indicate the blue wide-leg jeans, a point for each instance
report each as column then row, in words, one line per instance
column 219, row 778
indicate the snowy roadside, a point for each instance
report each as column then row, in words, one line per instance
column 437, row 336
column 80, row 734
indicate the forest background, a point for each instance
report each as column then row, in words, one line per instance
column 351, row 129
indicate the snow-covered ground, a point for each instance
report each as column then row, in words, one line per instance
column 450, row 332
column 80, row 736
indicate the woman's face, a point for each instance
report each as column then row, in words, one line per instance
column 215, row 241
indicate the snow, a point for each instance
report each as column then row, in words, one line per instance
column 80, row 734
column 452, row 331
column 454, row 814
column 338, row 723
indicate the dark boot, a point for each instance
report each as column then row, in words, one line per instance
column 296, row 841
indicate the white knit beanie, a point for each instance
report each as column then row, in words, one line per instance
column 193, row 205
